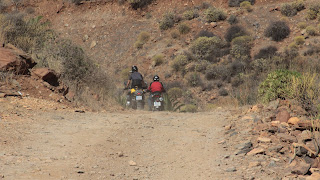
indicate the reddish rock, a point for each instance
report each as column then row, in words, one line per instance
column 283, row 116
column 47, row 75
column 300, row 167
column 293, row 120
column 314, row 176
column 256, row 151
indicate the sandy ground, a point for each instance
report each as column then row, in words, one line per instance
column 64, row 144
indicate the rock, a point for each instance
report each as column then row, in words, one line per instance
column 314, row 176
column 287, row 138
column 283, row 116
column 120, row 154
column 85, row 38
column 9, row 61
column 314, row 170
column 293, row 120
column 132, row 163
column 231, row 169
column 93, row 44
column 275, row 123
column 256, row 151
column 213, row 24
column 48, row 75
column 300, row 168
column 303, row 32
column 243, row 148
column 305, row 136
column 272, row 164
column 303, row 125
column 254, row 164
column 256, row 108
column 273, row 105
column 276, row 148
column 264, row 140
column 228, row 127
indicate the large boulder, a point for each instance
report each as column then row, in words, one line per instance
column 48, row 75
column 15, row 60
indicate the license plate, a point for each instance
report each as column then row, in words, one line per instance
column 138, row 98
column 157, row 104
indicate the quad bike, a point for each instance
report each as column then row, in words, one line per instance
column 136, row 98
column 157, row 101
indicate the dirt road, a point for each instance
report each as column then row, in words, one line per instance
column 62, row 144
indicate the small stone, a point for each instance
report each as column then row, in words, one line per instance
column 254, row 164
column 293, row 121
column 300, row 168
column 256, row 151
column 93, row 44
column 227, row 127
column 120, row 154
column 132, row 163
column 314, row 176
column 275, row 123
column 264, row 140
column 232, row 169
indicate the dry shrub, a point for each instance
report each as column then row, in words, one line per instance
column 209, row 48
column 266, row 52
column 311, row 30
column 157, row 60
column 277, row 30
column 246, row 5
column 299, row 40
column 193, row 79
column 190, row 14
column 234, row 31
column 142, row 39
column 168, row 21
column 302, row 25
column 236, row 3
column 214, row 15
column 184, row 28
column 189, row 108
column 204, row 33
column 136, row 4
column 179, row 63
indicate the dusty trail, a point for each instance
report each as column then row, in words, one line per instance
column 70, row 145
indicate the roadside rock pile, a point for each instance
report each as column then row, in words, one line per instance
column 278, row 139
column 19, row 77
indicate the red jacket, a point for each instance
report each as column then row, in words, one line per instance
column 156, row 86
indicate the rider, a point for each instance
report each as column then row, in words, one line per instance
column 155, row 86
column 136, row 79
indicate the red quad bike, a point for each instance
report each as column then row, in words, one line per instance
column 157, row 101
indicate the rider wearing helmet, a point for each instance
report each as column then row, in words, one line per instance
column 154, row 87
column 135, row 78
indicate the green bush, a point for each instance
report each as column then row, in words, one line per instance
column 277, row 30
column 179, row 63
column 157, row 59
column 277, row 85
column 193, row 79
column 223, row 92
column 311, row 30
column 236, row 3
column 204, row 33
column 233, row 32
column 201, row 66
column 184, row 28
column 208, row 48
column 215, row 15
column 167, row 21
column 299, row 40
column 246, row 5
column 189, row 108
column 190, row 14
column 242, row 41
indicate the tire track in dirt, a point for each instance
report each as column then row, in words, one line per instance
column 69, row 145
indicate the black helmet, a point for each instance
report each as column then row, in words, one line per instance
column 134, row 69
column 156, row 78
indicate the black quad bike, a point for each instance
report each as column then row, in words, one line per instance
column 136, row 99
